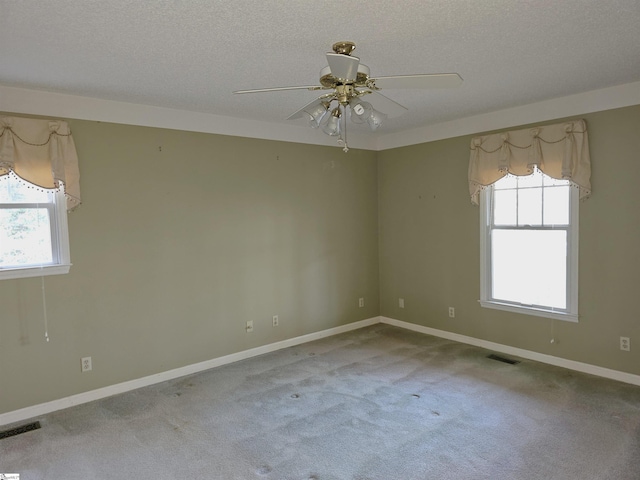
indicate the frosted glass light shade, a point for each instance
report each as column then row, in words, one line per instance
column 360, row 111
column 316, row 114
column 376, row 119
column 332, row 127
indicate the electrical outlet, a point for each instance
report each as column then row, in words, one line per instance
column 452, row 312
column 361, row 302
column 625, row 344
column 401, row 302
column 276, row 322
column 249, row 326
column 86, row 364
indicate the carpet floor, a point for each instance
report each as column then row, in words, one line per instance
column 379, row 403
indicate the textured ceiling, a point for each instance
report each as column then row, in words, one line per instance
column 191, row 55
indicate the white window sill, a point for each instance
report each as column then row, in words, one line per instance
column 538, row 312
column 7, row 273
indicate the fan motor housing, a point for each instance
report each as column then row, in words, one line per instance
column 327, row 80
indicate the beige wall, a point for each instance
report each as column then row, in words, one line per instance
column 181, row 238
column 429, row 248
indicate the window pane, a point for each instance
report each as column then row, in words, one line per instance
column 530, row 267
column 548, row 181
column 15, row 190
column 25, row 237
column 510, row 181
column 530, row 206
column 556, row 205
column 533, row 180
column 504, row 207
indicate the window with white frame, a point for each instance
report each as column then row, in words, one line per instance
column 529, row 246
column 34, row 239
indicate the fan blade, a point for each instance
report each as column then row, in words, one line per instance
column 385, row 104
column 436, row 80
column 278, row 89
column 343, row 67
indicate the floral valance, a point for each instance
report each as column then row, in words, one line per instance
column 560, row 151
column 42, row 152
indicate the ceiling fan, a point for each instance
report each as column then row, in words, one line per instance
column 349, row 81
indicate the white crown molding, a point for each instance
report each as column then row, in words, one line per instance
column 43, row 103
column 569, row 106
column 48, row 407
column 38, row 102
column 519, row 352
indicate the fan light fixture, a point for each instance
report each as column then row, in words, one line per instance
column 332, row 127
column 375, row 120
column 360, row 112
column 349, row 80
column 317, row 113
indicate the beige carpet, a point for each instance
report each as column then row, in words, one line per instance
column 377, row 403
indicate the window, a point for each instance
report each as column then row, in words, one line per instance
column 34, row 239
column 529, row 246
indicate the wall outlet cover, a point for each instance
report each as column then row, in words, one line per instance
column 86, row 364
column 625, row 344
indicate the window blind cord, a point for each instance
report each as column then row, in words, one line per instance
column 44, row 308
column 44, row 293
column 553, row 339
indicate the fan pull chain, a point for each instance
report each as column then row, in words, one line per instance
column 341, row 140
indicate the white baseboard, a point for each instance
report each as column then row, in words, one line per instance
column 528, row 354
column 48, row 407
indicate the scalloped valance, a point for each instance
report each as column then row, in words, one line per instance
column 561, row 151
column 42, row 152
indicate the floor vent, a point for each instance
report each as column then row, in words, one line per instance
column 19, row 430
column 503, row 359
